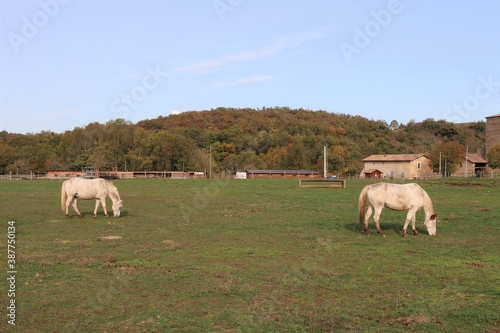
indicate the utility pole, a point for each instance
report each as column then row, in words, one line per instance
column 466, row 164
column 440, row 175
column 210, row 163
column 324, row 161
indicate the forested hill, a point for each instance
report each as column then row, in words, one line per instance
column 238, row 139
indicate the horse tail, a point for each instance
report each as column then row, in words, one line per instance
column 362, row 205
column 64, row 196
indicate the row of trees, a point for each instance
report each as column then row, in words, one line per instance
column 235, row 139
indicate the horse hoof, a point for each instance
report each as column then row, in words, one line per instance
column 405, row 235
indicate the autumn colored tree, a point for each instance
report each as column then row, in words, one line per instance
column 452, row 152
column 7, row 156
column 239, row 138
column 493, row 156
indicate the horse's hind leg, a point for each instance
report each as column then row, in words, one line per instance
column 367, row 217
column 73, row 203
column 376, row 218
column 68, row 202
column 415, row 232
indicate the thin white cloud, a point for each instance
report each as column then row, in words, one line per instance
column 237, row 82
column 271, row 50
column 63, row 114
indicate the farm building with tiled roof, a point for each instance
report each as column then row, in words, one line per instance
column 398, row 166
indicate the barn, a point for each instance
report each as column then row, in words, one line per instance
column 373, row 174
column 398, row 166
column 476, row 165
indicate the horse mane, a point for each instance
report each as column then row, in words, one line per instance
column 428, row 206
column 112, row 191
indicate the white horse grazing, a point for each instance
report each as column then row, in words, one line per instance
column 80, row 188
column 409, row 197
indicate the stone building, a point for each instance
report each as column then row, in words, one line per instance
column 492, row 131
column 492, row 135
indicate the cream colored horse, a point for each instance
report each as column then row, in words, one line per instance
column 80, row 188
column 409, row 197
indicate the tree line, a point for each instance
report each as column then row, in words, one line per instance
column 233, row 139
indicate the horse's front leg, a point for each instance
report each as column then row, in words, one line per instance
column 103, row 203
column 410, row 217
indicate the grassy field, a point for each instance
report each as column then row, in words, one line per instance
column 250, row 256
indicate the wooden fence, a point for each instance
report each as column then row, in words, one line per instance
column 322, row 183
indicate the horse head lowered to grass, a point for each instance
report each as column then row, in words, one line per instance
column 409, row 197
column 81, row 188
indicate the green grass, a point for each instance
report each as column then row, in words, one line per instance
column 251, row 256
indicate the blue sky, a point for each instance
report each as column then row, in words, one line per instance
column 67, row 63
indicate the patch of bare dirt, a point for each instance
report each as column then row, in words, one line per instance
column 81, row 244
column 126, row 269
column 413, row 320
column 171, row 245
column 462, row 184
column 477, row 264
column 110, row 237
